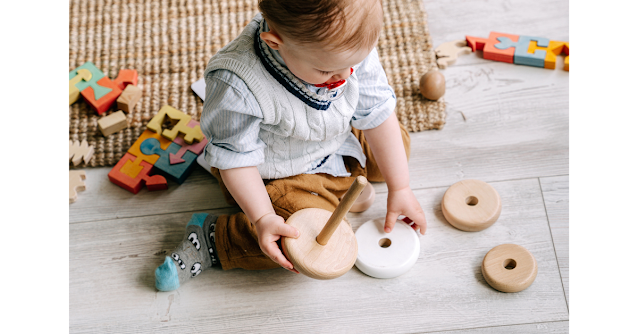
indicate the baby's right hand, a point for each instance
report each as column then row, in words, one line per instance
column 271, row 228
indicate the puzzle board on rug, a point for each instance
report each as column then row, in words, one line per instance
column 163, row 150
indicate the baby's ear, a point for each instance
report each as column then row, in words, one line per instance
column 272, row 39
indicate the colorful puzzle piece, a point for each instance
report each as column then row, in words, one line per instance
column 96, row 75
column 136, row 152
column 554, row 49
column 196, row 148
column 521, row 56
column 177, row 172
column 182, row 120
column 74, row 92
column 102, row 104
column 522, row 50
column 125, row 78
column 134, row 184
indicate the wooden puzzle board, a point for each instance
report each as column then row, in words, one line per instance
column 170, row 43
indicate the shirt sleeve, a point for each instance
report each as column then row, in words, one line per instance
column 230, row 120
column 376, row 98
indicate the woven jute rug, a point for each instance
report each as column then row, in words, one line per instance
column 169, row 43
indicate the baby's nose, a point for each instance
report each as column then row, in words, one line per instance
column 342, row 75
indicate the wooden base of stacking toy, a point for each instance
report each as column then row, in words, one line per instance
column 326, row 247
column 386, row 255
column 471, row 205
column 509, row 268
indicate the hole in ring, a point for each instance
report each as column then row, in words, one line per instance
column 471, row 201
column 385, row 243
column 509, row 264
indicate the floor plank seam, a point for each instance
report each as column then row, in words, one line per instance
column 378, row 192
column 560, row 274
column 486, row 327
column 156, row 214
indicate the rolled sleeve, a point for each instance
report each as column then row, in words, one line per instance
column 376, row 98
column 230, row 120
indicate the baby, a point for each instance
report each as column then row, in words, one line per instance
column 296, row 108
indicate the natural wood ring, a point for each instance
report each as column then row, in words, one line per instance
column 509, row 268
column 471, row 205
column 312, row 259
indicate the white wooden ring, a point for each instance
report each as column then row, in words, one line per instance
column 509, row 268
column 471, row 205
column 386, row 255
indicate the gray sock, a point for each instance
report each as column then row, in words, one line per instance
column 193, row 255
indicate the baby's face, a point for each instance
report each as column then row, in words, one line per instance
column 316, row 65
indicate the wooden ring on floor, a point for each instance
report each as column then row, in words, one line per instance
column 312, row 259
column 471, row 205
column 509, row 268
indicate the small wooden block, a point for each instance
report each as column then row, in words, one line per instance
column 80, row 151
column 312, row 259
column 125, row 78
column 509, row 268
column 112, row 123
column 447, row 53
column 432, row 85
column 76, row 183
column 181, row 125
column 471, row 205
column 365, row 200
column 134, row 184
column 129, row 98
column 104, row 103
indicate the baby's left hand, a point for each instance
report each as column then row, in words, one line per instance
column 403, row 202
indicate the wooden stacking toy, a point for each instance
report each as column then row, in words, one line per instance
column 326, row 247
column 509, row 268
column 386, row 255
column 471, row 205
column 365, row 199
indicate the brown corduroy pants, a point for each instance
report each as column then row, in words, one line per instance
column 235, row 236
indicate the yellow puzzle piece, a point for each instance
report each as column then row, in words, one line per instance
column 182, row 120
column 552, row 50
column 74, row 92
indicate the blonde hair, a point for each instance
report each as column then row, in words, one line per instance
column 337, row 24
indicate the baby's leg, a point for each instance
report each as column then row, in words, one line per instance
column 194, row 254
column 372, row 171
column 236, row 237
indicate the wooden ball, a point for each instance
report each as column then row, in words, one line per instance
column 509, row 268
column 432, row 85
column 471, row 205
column 312, row 259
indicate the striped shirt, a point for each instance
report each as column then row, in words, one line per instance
column 232, row 118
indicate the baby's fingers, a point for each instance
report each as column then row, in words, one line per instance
column 277, row 256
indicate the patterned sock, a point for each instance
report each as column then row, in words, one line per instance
column 195, row 253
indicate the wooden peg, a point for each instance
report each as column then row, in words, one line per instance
column 509, row 268
column 326, row 247
column 340, row 212
column 471, row 205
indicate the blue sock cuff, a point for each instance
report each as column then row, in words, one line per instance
column 197, row 219
column 166, row 276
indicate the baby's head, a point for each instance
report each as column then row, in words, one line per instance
column 320, row 40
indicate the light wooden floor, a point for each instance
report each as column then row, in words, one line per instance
column 515, row 136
